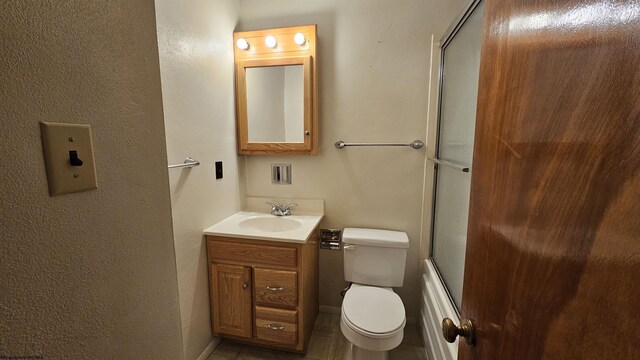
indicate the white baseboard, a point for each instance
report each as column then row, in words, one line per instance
column 209, row 349
column 336, row 310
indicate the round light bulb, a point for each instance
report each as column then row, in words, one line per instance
column 242, row 44
column 271, row 41
column 299, row 39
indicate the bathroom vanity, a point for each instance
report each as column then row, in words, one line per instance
column 263, row 278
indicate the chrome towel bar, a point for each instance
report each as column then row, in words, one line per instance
column 188, row 163
column 450, row 164
column 415, row 144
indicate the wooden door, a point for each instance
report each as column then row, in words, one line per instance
column 231, row 300
column 553, row 255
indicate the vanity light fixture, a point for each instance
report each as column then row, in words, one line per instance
column 271, row 41
column 242, row 44
column 299, row 39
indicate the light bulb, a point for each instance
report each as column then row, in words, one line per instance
column 242, row 44
column 271, row 41
column 299, row 39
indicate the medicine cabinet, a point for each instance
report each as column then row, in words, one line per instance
column 276, row 91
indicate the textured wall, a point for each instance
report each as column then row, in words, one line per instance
column 195, row 41
column 87, row 275
column 373, row 59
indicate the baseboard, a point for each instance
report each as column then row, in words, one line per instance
column 209, row 349
column 336, row 310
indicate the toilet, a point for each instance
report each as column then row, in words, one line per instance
column 372, row 315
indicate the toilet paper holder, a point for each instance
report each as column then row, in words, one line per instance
column 331, row 239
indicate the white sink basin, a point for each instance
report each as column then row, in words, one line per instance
column 270, row 223
column 254, row 225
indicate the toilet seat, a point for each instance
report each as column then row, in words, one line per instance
column 373, row 311
column 372, row 317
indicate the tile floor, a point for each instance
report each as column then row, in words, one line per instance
column 327, row 343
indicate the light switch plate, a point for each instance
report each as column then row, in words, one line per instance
column 58, row 141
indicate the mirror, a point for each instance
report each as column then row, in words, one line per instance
column 276, row 91
column 275, row 104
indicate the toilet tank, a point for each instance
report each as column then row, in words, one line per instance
column 375, row 257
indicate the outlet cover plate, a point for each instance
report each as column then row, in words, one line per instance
column 58, row 139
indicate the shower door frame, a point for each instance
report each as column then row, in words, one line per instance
column 445, row 40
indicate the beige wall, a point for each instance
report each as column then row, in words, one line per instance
column 87, row 275
column 374, row 66
column 196, row 60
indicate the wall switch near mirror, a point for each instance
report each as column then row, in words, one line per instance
column 277, row 91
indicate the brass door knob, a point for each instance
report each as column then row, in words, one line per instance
column 245, row 285
column 466, row 329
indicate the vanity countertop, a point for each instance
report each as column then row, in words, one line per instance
column 264, row 226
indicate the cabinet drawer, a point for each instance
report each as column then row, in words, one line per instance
column 276, row 325
column 276, row 287
column 251, row 253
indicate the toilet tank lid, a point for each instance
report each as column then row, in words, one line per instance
column 375, row 237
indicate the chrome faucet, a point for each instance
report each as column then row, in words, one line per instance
column 281, row 210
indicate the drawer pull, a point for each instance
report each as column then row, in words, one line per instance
column 275, row 288
column 275, row 327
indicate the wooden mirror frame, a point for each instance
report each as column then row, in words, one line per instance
column 287, row 52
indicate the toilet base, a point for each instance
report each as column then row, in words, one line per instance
column 358, row 353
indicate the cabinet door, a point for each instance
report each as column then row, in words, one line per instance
column 231, row 299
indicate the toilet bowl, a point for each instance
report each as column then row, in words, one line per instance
column 373, row 320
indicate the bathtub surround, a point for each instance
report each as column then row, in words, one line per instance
column 373, row 66
column 87, row 275
column 196, row 63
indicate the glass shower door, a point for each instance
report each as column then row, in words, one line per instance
column 460, row 67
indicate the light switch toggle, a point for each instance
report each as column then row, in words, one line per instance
column 74, row 160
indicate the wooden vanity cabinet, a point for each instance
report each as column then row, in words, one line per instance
column 264, row 292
